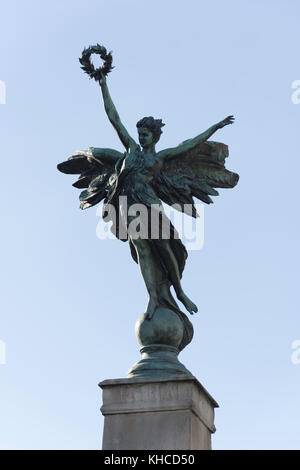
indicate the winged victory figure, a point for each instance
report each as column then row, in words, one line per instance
column 143, row 176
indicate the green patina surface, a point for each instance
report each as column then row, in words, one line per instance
column 175, row 176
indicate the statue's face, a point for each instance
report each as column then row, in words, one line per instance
column 145, row 137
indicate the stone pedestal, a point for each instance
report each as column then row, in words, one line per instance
column 157, row 413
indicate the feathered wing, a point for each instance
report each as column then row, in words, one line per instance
column 95, row 167
column 193, row 173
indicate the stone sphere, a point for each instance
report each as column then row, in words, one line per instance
column 165, row 327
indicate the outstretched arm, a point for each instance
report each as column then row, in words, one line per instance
column 114, row 117
column 192, row 143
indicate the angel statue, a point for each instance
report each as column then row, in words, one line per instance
column 145, row 177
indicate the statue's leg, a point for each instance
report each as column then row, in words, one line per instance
column 174, row 275
column 148, row 269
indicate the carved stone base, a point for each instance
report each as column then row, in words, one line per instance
column 166, row 413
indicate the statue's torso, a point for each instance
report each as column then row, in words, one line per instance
column 134, row 178
column 141, row 166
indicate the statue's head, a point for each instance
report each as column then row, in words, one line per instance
column 149, row 130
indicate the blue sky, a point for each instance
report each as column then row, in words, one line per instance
column 69, row 301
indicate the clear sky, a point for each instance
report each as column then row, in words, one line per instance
column 69, row 301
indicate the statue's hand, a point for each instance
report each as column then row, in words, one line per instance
column 226, row 121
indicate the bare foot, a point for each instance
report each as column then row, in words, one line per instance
column 152, row 306
column 189, row 305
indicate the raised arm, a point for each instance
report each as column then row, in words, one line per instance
column 114, row 118
column 192, row 143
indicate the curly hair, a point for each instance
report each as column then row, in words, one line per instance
column 153, row 125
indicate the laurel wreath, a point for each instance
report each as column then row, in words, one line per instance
column 89, row 68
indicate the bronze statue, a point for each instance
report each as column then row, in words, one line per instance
column 174, row 175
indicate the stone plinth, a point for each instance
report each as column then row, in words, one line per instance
column 168, row 413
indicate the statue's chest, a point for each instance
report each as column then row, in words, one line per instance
column 138, row 161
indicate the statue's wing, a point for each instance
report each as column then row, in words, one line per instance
column 193, row 173
column 95, row 166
